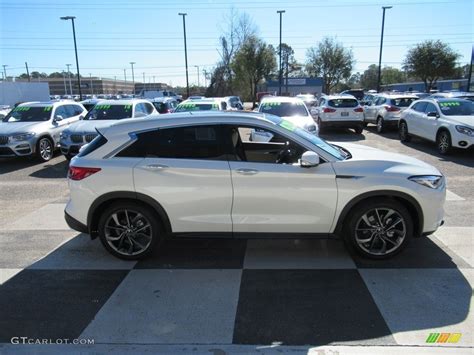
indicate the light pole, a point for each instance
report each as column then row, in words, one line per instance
column 381, row 45
column 75, row 49
column 69, row 76
column 185, row 51
column 281, row 12
column 204, row 71
column 143, row 82
column 197, row 67
column 64, row 79
column 92, row 86
column 133, row 78
column 5, row 71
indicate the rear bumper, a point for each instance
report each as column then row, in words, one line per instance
column 343, row 123
column 75, row 224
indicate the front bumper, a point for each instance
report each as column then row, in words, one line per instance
column 71, row 147
column 462, row 141
column 18, row 148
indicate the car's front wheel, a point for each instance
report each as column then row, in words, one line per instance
column 44, row 149
column 379, row 228
column 380, row 125
column 403, row 132
column 443, row 141
column 129, row 230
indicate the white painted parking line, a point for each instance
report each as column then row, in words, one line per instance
column 459, row 239
column 451, row 196
column 297, row 254
column 48, row 217
column 169, row 307
column 6, row 274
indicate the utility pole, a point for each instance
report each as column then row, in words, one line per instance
column 133, row 77
column 287, row 70
column 281, row 12
column 75, row 50
column 125, row 78
column 115, row 85
column 92, row 86
column 27, row 71
column 185, row 51
column 69, row 76
column 204, row 71
column 381, row 45
column 64, row 79
column 143, row 81
column 5, row 71
column 197, row 67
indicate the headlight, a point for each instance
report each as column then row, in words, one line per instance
column 465, row 130
column 21, row 136
column 431, row 181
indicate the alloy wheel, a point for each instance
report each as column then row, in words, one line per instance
column 379, row 125
column 45, row 149
column 443, row 142
column 128, row 232
column 380, row 231
column 403, row 131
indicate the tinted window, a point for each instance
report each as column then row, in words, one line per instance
column 340, row 103
column 283, row 109
column 97, row 142
column 109, row 112
column 71, row 110
column 419, row 106
column 430, row 108
column 457, row 107
column 402, row 102
column 62, row 111
column 29, row 114
column 195, row 142
column 161, row 107
column 148, row 108
column 380, row 101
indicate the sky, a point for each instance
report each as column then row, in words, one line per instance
column 111, row 34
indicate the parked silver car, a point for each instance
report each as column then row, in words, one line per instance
column 385, row 110
column 102, row 115
column 35, row 128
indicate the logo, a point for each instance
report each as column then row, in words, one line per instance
column 443, row 337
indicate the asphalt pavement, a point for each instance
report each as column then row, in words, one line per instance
column 221, row 296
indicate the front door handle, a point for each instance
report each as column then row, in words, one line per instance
column 156, row 166
column 247, row 171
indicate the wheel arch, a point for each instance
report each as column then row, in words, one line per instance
column 105, row 200
column 408, row 201
column 45, row 135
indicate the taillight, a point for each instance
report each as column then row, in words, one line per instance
column 390, row 108
column 359, row 109
column 329, row 110
column 79, row 172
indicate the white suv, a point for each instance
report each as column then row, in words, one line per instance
column 448, row 122
column 339, row 111
column 198, row 174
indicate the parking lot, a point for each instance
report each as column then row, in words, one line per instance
column 224, row 295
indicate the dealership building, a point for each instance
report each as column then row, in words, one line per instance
column 295, row 86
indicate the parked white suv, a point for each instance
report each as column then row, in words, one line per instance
column 178, row 175
column 385, row 110
column 34, row 128
column 448, row 122
column 339, row 111
column 104, row 113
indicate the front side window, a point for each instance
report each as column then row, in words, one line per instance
column 430, row 108
column 62, row 111
column 284, row 109
column 109, row 112
column 29, row 114
column 192, row 142
column 419, row 106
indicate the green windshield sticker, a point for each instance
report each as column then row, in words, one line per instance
column 48, row 108
column 287, row 125
column 128, row 107
column 215, row 106
column 102, row 107
column 22, row 108
column 450, row 103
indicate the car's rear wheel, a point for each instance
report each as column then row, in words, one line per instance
column 44, row 149
column 320, row 124
column 358, row 130
column 380, row 125
column 443, row 142
column 129, row 230
column 379, row 228
column 403, row 132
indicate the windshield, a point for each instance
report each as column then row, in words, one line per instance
column 29, row 114
column 191, row 106
column 283, row 109
column 315, row 140
column 403, row 102
column 457, row 108
column 342, row 103
column 109, row 112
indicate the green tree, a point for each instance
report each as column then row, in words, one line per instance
column 391, row 75
column 36, row 75
column 56, row 75
column 330, row 60
column 254, row 61
column 429, row 61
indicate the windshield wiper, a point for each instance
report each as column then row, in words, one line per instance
column 343, row 151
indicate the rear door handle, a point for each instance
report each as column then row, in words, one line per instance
column 156, row 166
column 247, row 171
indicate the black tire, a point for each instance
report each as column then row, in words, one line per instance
column 365, row 124
column 155, row 230
column 68, row 157
column 44, row 149
column 320, row 124
column 380, row 125
column 443, row 142
column 355, row 223
column 359, row 130
column 403, row 132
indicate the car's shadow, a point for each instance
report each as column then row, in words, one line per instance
column 10, row 165
column 57, row 296
column 52, row 171
column 341, row 135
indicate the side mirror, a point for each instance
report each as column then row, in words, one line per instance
column 309, row 159
column 58, row 118
column 81, row 117
column 432, row 114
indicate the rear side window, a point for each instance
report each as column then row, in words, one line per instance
column 193, row 142
column 420, row 106
column 402, row 102
column 160, row 107
column 96, row 143
column 341, row 103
